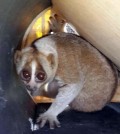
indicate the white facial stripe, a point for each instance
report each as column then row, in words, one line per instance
column 33, row 68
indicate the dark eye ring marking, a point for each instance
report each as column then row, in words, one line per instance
column 41, row 76
column 25, row 75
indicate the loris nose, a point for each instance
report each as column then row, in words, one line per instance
column 31, row 88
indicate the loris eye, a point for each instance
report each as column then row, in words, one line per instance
column 25, row 74
column 41, row 76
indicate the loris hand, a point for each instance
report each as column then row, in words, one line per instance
column 50, row 118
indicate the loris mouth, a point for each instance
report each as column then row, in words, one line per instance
column 31, row 91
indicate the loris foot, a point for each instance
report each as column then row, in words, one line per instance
column 50, row 118
column 56, row 23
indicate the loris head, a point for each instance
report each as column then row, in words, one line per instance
column 36, row 66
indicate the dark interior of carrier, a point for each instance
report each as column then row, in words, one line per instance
column 17, row 109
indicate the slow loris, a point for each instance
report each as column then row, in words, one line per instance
column 85, row 79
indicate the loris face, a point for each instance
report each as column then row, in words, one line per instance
column 34, row 69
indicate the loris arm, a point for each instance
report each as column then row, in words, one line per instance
column 65, row 96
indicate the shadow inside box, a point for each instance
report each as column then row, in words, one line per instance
column 106, row 121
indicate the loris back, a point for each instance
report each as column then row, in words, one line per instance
column 76, row 59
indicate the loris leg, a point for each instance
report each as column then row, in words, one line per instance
column 65, row 96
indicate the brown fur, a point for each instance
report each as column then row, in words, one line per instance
column 78, row 73
column 79, row 56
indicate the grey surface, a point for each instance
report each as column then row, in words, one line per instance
column 15, row 104
column 106, row 121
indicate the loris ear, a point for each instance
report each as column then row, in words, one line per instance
column 51, row 59
column 17, row 56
